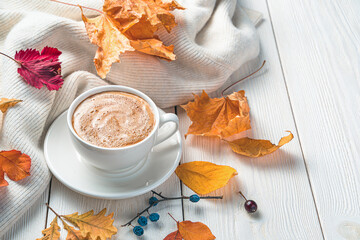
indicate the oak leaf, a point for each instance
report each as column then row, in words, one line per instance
column 74, row 234
column 103, row 32
column 40, row 69
column 195, row 231
column 174, row 236
column 96, row 226
column 52, row 232
column 204, row 177
column 257, row 147
column 15, row 164
column 6, row 103
column 219, row 117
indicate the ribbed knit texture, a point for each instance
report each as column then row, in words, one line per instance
column 212, row 40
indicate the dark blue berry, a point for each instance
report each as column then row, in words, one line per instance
column 152, row 200
column 139, row 231
column 194, row 198
column 250, row 206
column 142, row 221
column 154, row 217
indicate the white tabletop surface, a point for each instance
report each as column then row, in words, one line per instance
column 310, row 188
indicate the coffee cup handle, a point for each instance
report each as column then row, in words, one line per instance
column 164, row 118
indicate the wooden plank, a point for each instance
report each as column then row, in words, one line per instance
column 30, row 225
column 278, row 182
column 319, row 48
column 65, row 201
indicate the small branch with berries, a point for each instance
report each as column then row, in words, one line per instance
column 153, row 201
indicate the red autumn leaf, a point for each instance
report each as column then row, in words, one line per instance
column 40, row 69
column 15, row 164
column 174, row 236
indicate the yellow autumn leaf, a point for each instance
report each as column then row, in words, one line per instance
column 52, row 232
column 194, row 231
column 98, row 227
column 204, row 177
column 6, row 103
column 257, row 147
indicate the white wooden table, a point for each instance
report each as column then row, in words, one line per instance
column 310, row 189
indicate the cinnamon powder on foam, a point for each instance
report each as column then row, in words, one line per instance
column 113, row 119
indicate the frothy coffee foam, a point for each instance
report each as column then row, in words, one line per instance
column 113, row 119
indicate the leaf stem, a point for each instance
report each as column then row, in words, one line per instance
column 77, row 5
column 163, row 198
column 52, row 210
column 222, row 93
column 242, row 195
column 10, row 58
column 172, row 217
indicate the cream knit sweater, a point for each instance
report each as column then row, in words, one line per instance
column 212, row 40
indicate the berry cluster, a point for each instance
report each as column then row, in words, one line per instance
column 154, row 217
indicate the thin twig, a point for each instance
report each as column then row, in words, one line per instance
column 163, row 198
column 243, row 195
column 77, row 5
column 52, row 210
column 222, row 93
column 10, row 57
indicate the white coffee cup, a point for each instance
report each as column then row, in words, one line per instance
column 124, row 158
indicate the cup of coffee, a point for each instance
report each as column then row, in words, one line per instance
column 114, row 128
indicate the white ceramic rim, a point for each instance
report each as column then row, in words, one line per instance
column 106, row 88
column 111, row 196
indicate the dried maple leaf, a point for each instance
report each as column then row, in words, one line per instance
column 96, row 226
column 204, row 177
column 52, row 232
column 154, row 47
column 174, row 236
column 257, row 147
column 40, row 69
column 15, row 164
column 6, row 103
column 103, row 32
column 220, row 117
column 194, row 231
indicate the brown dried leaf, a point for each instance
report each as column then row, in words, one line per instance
column 154, row 47
column 257, row 147
column 103, row 31
column 15, row 164
column 52, row 232
column 219, row 117
column 6, row 103
column 96, row 226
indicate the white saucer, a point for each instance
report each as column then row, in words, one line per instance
column 64, row 162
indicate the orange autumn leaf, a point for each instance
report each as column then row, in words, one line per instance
column 130, row 20
column 204, row 177
column 96, row 226
column 52, row 232
column 257, row 147
column 194, row 231
column 6, row 103
column 174, row 236
column 220, row 117
column 15, row 164
column 154, row 47
column 103, row 32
